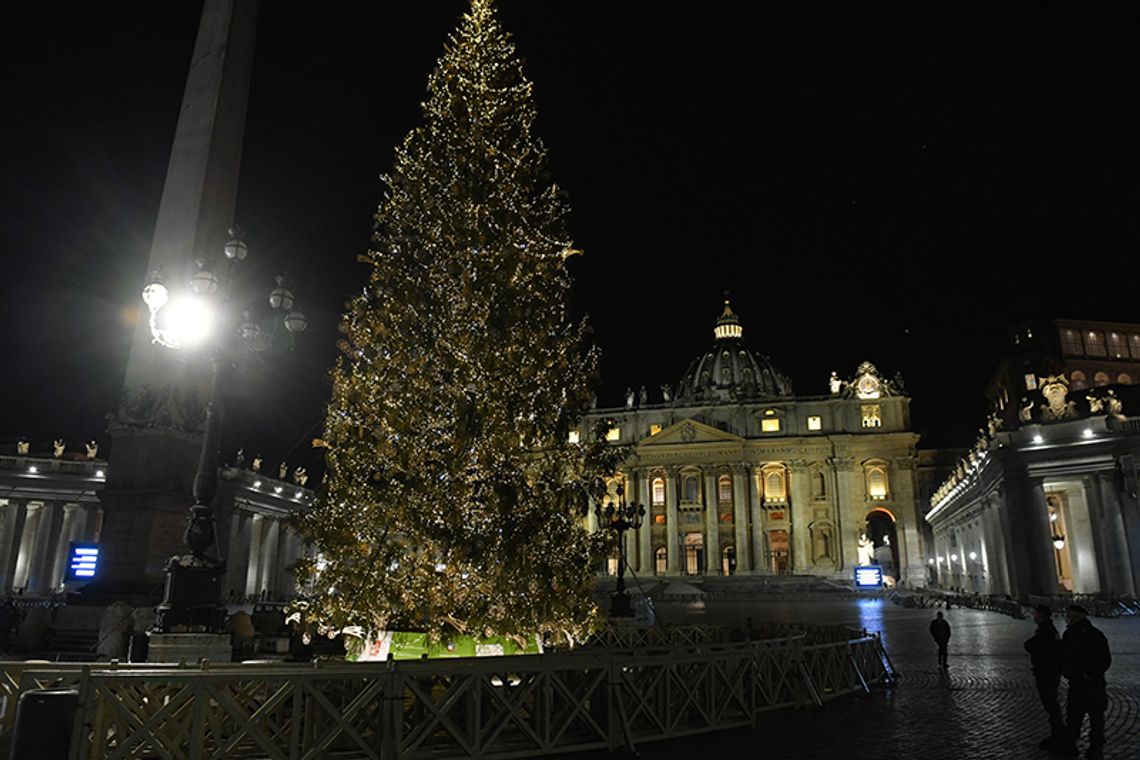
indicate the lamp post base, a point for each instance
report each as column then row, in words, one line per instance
column 191, row 603
column 620, row 605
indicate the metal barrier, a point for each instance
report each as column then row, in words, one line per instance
column 496, row 707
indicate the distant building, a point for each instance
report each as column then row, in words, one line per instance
column 741, row 477
column 1046, row 500
column 49, row 503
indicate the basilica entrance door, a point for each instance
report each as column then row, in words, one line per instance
column 778, row 561
column 694, row 554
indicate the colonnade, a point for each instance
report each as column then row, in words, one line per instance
column 35, row 538
column 262, row 551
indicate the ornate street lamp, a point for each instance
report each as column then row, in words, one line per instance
column 619, row 518
column 186, row 320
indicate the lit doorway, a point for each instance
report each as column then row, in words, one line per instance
column 694, row 554
column 883, row 535
column 778, row 560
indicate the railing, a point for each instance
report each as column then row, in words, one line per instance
column 1098, row 605
column 496, row 707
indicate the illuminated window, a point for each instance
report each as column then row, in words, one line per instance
column 724, row 488
column 775, row 489
column 1031, row 382
column 1094, row 343
column 654, row 429
column 574, row 436
column 1100, row 378
column 1071, row 343
column 660, row 563
column 815, row 423
column 877, row 487
column 872, row 416
column 1124, row 378
column 613, row 434
column 1134, row 344
column 658, row 490
column 659, row 519
column 1117, row 346
column 770, row 425
column 1079, row 379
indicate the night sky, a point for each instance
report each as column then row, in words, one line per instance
column 898, row 188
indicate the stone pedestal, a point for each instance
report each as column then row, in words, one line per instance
column 191, row 647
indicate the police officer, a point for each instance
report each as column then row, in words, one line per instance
column 1084, row 661
column 1044, row 649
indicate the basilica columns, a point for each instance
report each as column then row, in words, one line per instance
column 645, row 537
column 672, row 525
column 740, row 518
column 760, row 562
column 712, row 525
column 10, row 519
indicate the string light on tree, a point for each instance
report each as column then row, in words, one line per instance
column 454, row 497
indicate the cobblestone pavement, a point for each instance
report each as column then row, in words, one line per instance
column 984, row 706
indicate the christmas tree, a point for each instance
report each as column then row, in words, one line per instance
column 454, row 496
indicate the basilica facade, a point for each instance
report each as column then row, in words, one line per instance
column 739, row 476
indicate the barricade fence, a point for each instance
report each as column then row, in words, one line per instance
column 496, row 707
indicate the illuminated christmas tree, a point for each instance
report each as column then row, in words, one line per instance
column 454, row 494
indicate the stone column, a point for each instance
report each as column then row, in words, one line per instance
column 645, row 540
column 799, row 502
column 9, row 541
column 1114, row 555
column 269, row 548
column 237, row 558
column 712, row 526
column 740, row 518
column 72, row 530
column 253, row 566
column 848, row 495
column 672, row 525
column 286, row 583
column 39, row 568
column 760, row 560
column 1039, row 546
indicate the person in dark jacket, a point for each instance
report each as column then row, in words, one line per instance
column 1084, row 660
column 940, row 632
column 1044, row 649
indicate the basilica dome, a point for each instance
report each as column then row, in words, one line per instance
column 729, row 371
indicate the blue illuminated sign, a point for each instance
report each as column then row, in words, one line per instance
column 868, row 576
column 82, row 561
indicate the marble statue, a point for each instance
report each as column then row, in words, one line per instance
column 283, row 471
column 92, row 449
column 57, row 448
column 22, row 447
column 256, row 464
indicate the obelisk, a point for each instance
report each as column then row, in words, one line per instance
column 156, row 432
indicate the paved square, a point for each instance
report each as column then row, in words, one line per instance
column 985, row 706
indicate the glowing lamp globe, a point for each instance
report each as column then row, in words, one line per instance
column 281, row 298
column 204, row 283
column 188, row 321
column 295, row 322
column 155, row 295
column 236, row 249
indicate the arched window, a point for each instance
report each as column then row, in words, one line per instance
column 877, row 486
column 819, row 484
column 1101, row 378
column 1079, row 380
column 724, row 489
column 728, row 560
column 774, row 489
column 660, row 561
column 1124, row 378
column 659, row 490
column 692, row 489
